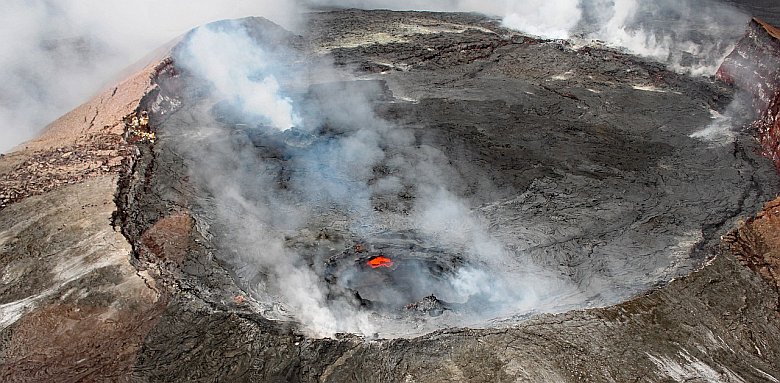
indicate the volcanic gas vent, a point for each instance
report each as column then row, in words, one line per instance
column 388, row 203
column 393, row 273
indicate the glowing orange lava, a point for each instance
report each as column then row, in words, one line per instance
column 380, row 261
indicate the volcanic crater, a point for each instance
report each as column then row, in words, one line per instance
column 397, row 196
column 499, row 175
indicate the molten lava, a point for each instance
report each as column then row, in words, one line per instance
column 380, row 261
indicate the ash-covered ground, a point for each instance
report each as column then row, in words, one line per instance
column 503, row 176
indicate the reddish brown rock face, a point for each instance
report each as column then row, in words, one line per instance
column 754, row 66
column 168, row 239
column 757, row 243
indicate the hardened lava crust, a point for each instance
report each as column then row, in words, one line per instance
column 613, row 233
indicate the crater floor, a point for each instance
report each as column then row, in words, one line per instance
column 541, row 177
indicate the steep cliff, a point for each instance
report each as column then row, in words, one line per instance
column 754, row 66
column 756, row 243
column 72, row 306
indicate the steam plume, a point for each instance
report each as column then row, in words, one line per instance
column 57, row 54
column 691, row 36
column 328, row 177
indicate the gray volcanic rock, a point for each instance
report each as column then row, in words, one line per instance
column 72, row 305
column 572, row 157
column 766, row 10
column 543, row 213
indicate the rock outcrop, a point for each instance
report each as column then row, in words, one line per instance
column 756, row 243
column 72, row 306
column 754, row 66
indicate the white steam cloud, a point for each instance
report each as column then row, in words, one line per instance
column 692, row 36
column 255, row 214
column 551, row 19
column 56, row 54
column 244, row 80
column 239, row 149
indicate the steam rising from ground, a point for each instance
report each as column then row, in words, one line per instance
column 724, row 126
column 237, row 69
column 551, row 19
column 263, row 205
column 57, row 54
column 691, row 36
column 255, row 209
